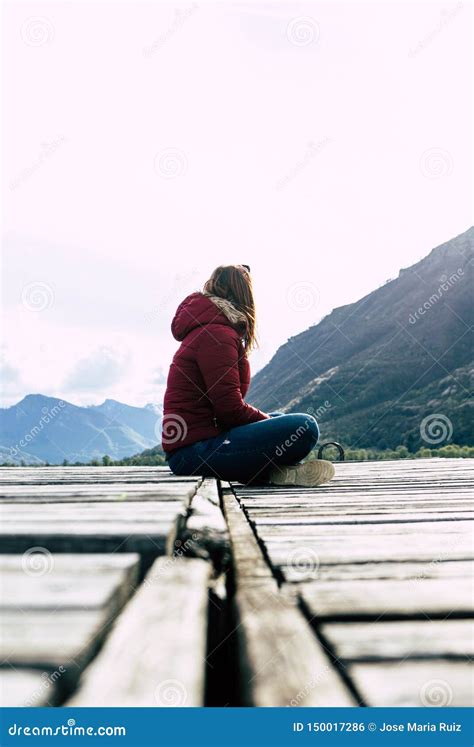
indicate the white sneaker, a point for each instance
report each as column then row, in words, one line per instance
column 306, row 475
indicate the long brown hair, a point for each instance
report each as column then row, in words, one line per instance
column 233, row 282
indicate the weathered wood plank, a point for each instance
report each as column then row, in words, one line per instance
column 249, row 564
column 401, row 639
column 56, row 610
column 49, row 638
column 298, row 519
column 90, row 527
column 428, row 548
column 431, row 597
column 20, row 688
column 423, row 683
column 157, row 648
column 283, row 663
column 360, row 531
column 113, row 493
column 298, row 572
column 39, row 580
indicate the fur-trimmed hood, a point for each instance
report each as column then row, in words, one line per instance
column 200, row 309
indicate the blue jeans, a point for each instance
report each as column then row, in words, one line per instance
column 246, row 453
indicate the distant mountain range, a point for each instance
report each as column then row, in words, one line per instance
column 394, row 368
column 40, row 429
column 378, row 371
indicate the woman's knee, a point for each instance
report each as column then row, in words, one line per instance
column 307, row 427
column 301, row 434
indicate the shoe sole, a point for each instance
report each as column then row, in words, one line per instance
column 306, row 475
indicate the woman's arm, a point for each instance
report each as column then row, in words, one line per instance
column 218, row 360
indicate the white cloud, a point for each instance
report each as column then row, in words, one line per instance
column 101, row 369
column 111, row 247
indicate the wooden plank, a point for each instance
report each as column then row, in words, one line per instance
column 411, row 684
column 92, row 494
column 157, row 648
column 401, row 639
column 355, row 532
column 47, row 639
column 349, row 571
column 20, row 688
column 90, row 527
column 205, row 529
column 395, row 598
column 282, row 662
column 39, row 580
column 56, row 609
column 427, row 547
column 249, row 564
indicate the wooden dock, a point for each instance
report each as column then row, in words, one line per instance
column 127, row 586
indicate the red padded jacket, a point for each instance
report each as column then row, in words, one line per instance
column 208, row 378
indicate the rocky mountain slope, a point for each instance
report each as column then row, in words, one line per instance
column 377, row 371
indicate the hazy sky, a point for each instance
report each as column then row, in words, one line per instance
column 325, row 144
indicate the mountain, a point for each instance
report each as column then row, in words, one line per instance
column 40, row 429
column 372, row 371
